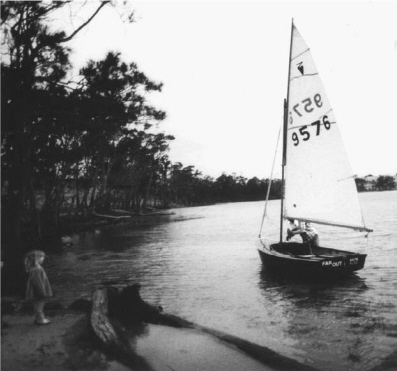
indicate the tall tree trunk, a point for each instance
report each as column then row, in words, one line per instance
column 149, row 185
column 35, row 215
column 77, row 187
column 13, row 270
column 93, row 192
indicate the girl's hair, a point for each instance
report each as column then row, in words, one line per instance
column 31, row 259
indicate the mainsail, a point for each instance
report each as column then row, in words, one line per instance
column 319, row 182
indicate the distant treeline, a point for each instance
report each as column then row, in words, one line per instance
column 380, row 183
column 191, row 188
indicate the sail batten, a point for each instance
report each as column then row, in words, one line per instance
column 319, row 182
column 307, row 50
column 299, row 77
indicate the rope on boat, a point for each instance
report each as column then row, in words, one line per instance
column 270, row 182
column 272, row 222
column 367, row 237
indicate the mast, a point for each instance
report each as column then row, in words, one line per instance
column 285, row 124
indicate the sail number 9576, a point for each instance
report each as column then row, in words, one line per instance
column 304, row 134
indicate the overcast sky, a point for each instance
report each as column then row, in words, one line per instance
column 224, row 66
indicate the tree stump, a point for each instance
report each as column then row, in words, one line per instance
column 128, row 305
column 110, row 334
column 119, row 316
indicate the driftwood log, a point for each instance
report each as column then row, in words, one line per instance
column 112, row 217
column 158, row 212
column 127, row 214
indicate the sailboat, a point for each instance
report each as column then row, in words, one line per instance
column 318, row 185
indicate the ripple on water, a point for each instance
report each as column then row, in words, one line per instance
column 204, row 267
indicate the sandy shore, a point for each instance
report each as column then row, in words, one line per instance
column 61, row 345
column 66, row 344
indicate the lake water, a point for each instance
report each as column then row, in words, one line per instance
column 201, row 263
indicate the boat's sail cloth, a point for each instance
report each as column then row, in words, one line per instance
column 319, row 183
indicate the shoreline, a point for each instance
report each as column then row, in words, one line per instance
column 67, row 343
column 76, row 224
column 70, row 225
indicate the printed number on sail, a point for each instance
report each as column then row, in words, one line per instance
column 305, row 134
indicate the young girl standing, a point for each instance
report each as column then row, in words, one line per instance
column 38, row 287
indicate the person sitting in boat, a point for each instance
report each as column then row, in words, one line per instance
column 292, row 228
column 312, row 235
column 308, row 233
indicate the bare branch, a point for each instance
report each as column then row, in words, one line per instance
column 85, row 23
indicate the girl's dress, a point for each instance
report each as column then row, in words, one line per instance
column 38, row 287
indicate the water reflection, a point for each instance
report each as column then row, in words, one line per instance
column 332, row 317
column 271, row 279
column 302, row 293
